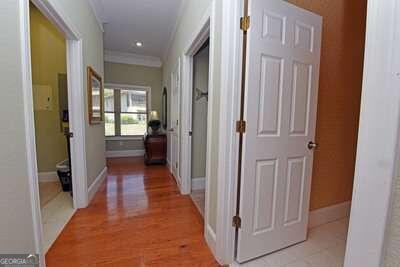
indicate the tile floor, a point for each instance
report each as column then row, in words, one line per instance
column 325, row 247
column 48, row 191
column 198, row 197
column 55, row 215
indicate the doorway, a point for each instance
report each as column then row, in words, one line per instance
column 175, row 128
column 198, row 132
column 50, row 104
column 76, row 108
column 270, row 24
column 201, row 44
column 281, row 76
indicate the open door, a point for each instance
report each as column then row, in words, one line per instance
column 282, row 71
column 175, row 122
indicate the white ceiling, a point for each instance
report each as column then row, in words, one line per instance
column 126, row 22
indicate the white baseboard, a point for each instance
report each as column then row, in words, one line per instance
column 198, row 183
column 211, row 239
column 94, row 187
column 124, row 153
column 329, row 214
column 48, row 176
column 169, row 165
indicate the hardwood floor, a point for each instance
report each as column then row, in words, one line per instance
column 138, row 218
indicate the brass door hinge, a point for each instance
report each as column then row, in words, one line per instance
column 241, row 127
column 236, row 221
column 245, row 23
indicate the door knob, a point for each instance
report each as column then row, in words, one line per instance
column 311, row 145
column 171, row 130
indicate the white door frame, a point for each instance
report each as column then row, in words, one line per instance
column 204, row 30
column 378, row 139
column 380, row 68
column 176, row 69
column 231, row 67
column 76, row 105
column 195, row 43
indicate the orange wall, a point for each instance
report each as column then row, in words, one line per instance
column 339, row 98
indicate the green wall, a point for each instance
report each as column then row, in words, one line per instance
column 134, row 75
column 48, row 50
column 193, row 13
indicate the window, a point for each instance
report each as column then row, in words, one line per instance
column 109, row 115
column 125, row 111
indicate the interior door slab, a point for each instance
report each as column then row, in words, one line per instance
column 283, row 55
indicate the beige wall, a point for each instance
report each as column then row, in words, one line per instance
column 343, row 36
column 16, row 223
column 48, row 52
column 134, row 75
column 16, row 228
column 199, row 114
column 83, row 19
column 193, row 12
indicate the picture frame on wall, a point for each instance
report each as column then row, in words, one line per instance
column 95, row 96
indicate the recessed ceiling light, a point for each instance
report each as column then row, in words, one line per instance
column 139, row 44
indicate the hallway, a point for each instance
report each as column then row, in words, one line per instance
column 137, row 218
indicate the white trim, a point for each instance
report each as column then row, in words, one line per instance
column 97, row 8
column 76, row 94
column 378, row 137
column 147, row 89
column 176, row 70
column 206, row 28
column 132, row 59
column 94, row 187
column 30, row 128
column 55, row 13
column 195, row 42
column 231, row 63
column 210, row 237
column 169, row 165
column 48, row 176
column 198, row 183
column 128, row 87
column 77, row 124
column 329, row 214
column 174, row 30
column 124, row 153
column 119, row 86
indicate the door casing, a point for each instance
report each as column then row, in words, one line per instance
column 175, row 123
column 76, row 105
column 205, row 29
column 231, row 63
column 280, row 109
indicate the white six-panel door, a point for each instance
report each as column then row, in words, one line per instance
column 282, row 73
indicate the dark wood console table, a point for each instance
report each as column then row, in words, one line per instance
column 156, row 149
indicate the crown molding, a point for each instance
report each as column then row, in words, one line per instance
column 182, row 7
column 96, row 9
column 132, row 59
